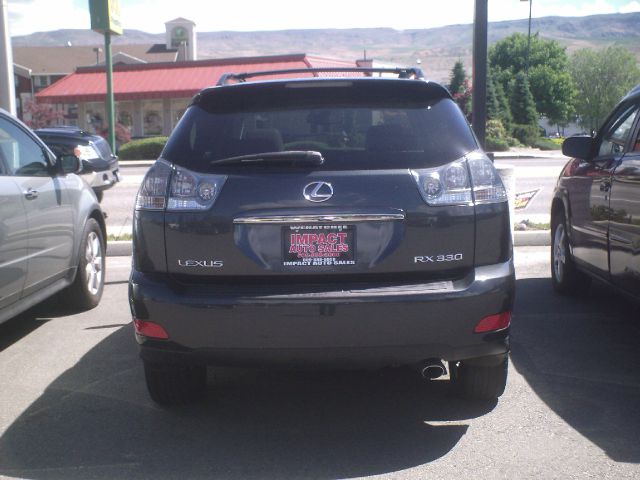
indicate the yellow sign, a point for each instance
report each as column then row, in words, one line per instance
column 105, row 16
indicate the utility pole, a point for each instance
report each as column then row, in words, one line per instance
column 526, row 64
column 479, row 98
column 7, row 86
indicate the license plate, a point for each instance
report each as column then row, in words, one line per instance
column 318, row 245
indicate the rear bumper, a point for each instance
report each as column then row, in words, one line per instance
column 312, row 325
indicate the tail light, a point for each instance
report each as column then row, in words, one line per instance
column 170, row 188
column 486, row 182
column 471, row 180
column 153, row 190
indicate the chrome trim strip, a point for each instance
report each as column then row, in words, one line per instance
column 350, row 218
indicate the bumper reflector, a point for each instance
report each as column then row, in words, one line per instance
column 493, row 323
column 150, row 329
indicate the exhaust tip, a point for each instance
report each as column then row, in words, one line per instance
column 432, row 369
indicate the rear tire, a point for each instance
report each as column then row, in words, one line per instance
column 478, row 380
column 86, row 290
column 565, row 276
column 171, row 385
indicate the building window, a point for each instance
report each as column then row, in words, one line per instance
column 41, row 81
column 125, row 114
column 152, row 118
column 95, row 117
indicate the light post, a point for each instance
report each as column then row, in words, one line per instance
column 479, row 97
column 526, row 65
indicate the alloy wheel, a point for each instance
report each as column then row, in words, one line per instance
column 559, row 252
column 93, row 269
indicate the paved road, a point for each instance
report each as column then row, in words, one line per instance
column 74, row 406
column 530, row 174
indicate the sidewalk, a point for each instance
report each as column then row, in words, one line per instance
column 515, row 153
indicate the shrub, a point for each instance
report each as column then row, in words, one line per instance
column 496, row 144
column 546, row 144
column 142, row 149
column 527, row 134
column 495, row 129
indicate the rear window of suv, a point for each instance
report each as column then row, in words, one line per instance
column 374, row 124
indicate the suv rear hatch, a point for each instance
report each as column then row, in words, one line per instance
column 325, row 180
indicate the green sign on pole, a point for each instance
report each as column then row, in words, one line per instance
column 105, row 19
column 105, row 16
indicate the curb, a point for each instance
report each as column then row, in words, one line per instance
column 531, row 238
column 135, row 163
column 120, row 248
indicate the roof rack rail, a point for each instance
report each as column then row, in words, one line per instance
column 411, row 72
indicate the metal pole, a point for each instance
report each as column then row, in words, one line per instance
column 110, row 100
column 7, row 86
column 479, row 98
column 526, row 67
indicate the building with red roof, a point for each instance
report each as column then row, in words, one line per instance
column 150, row 98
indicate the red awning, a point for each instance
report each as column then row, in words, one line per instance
column 157, row 81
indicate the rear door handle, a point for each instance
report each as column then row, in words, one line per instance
column 31, row 194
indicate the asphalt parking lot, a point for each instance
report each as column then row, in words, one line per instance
column 74, row 404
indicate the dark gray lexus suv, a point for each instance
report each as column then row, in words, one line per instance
column 338, row 221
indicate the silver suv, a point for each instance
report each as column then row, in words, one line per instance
column 52, row 231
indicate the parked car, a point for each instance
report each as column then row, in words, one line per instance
column 100, row 166
column 595, row 212
column 52, row 232
column 328, row 221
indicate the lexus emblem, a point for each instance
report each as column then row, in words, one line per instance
column 318, row 191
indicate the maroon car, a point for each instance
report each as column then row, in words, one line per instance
column 595, row 214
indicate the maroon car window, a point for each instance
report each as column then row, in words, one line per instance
column 615, row 139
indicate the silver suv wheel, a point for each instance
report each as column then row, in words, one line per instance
column 93, row 256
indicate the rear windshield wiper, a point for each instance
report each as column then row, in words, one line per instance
column 294, row 158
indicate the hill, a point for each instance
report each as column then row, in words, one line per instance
column 437, row 48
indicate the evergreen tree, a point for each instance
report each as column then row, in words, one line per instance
column 463, row 99
column 523, row 106
column 503, row 104
column 493, row 106
column 458, row 78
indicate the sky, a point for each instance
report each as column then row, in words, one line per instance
column 28, row 16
